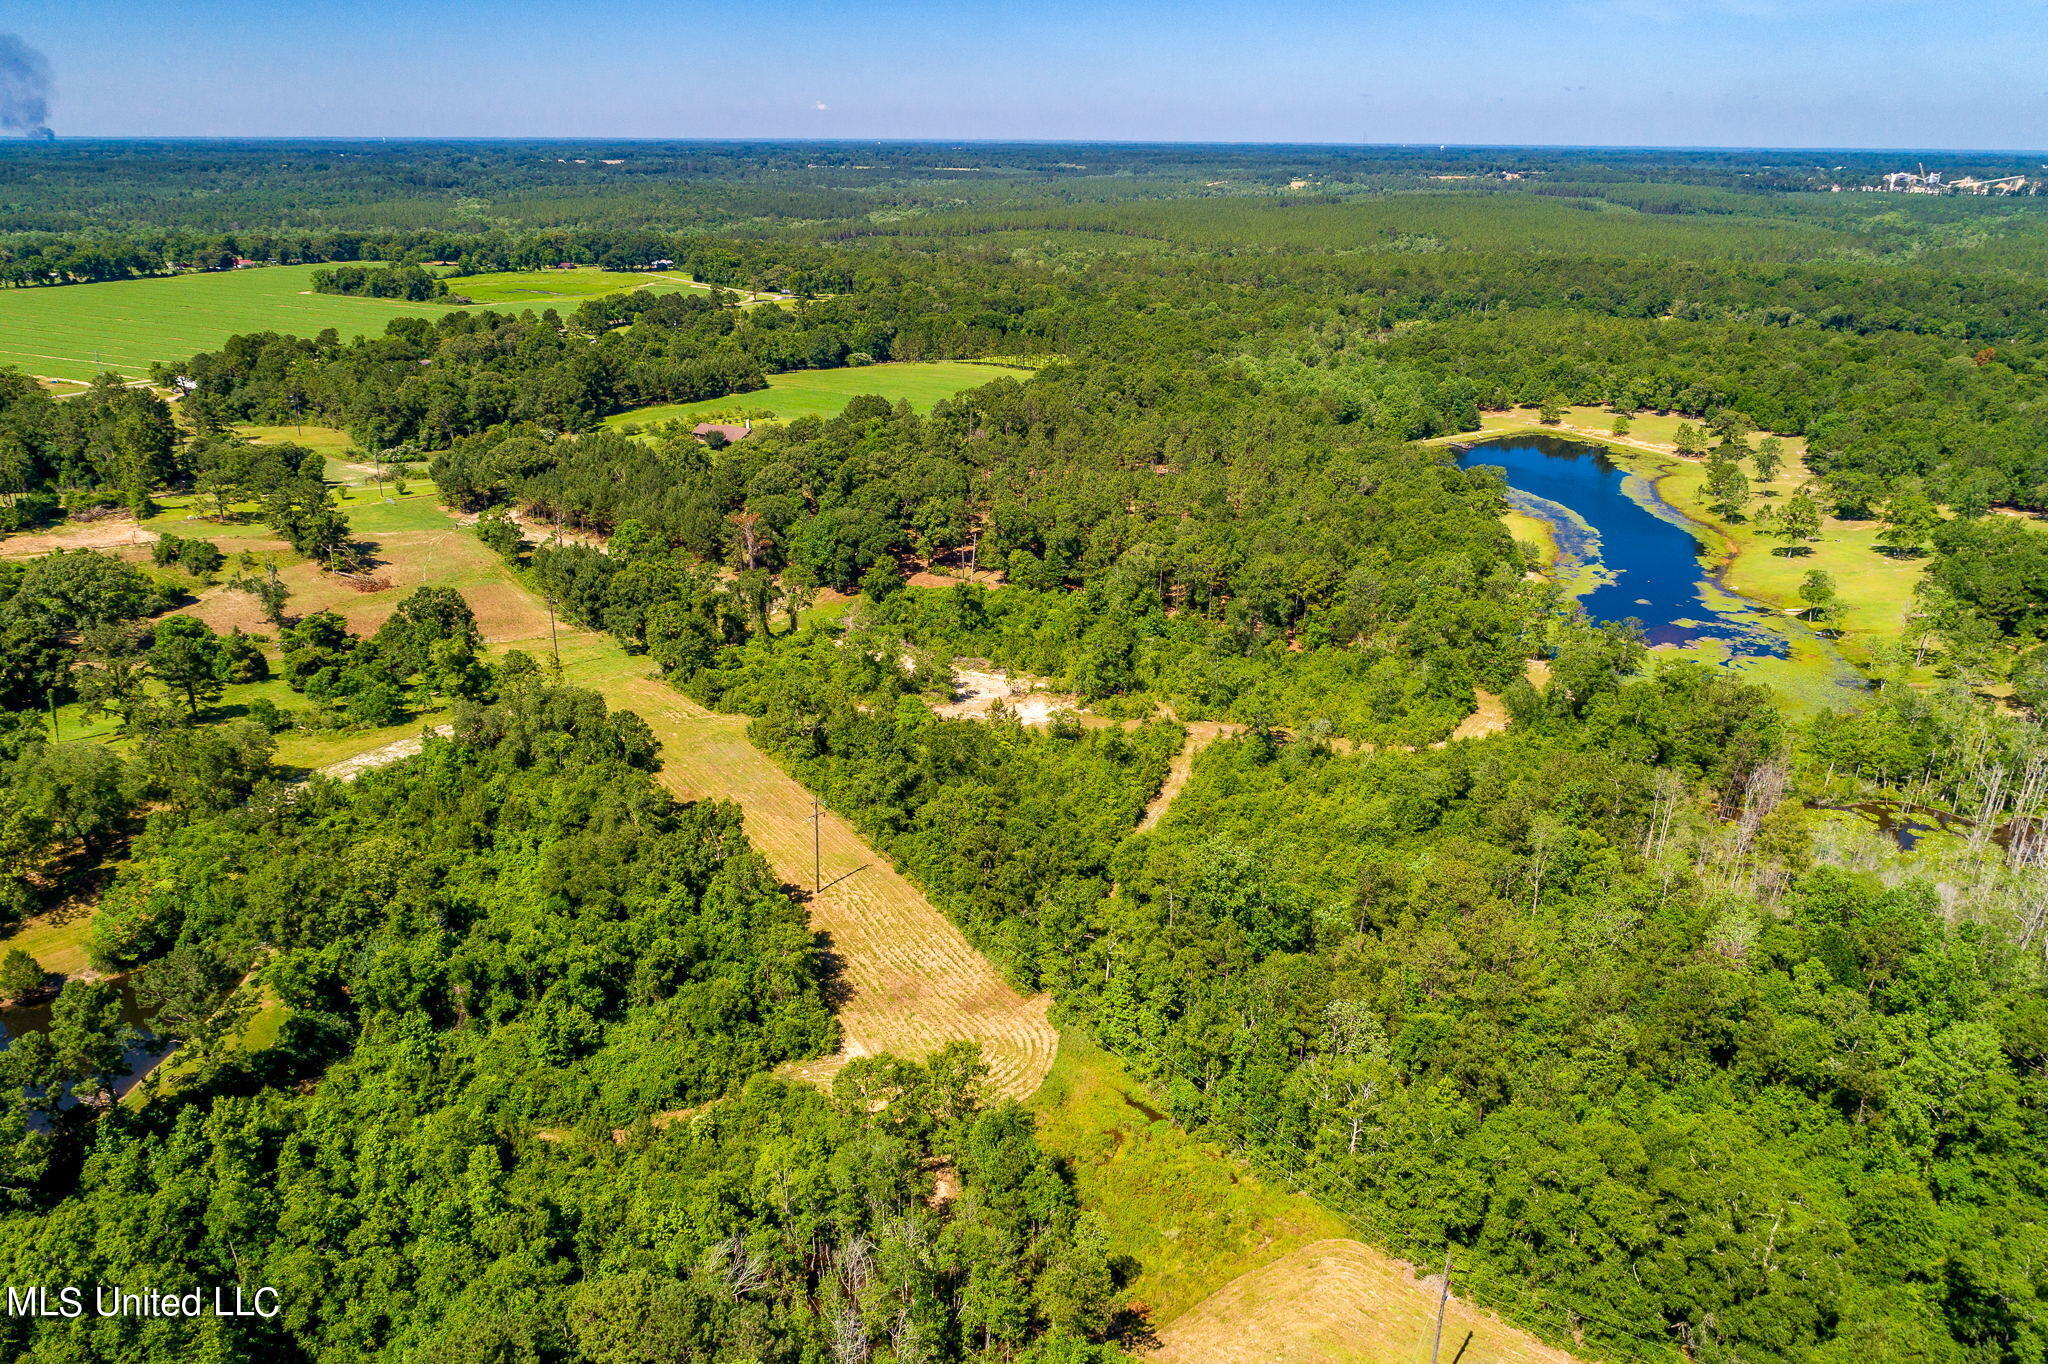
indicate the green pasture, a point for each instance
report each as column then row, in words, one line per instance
column 826, row 392
column 79, row 330
column 549, row 287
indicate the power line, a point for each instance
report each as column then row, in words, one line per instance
column 1340, row 1201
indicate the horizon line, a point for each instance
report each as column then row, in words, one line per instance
column 931, row 141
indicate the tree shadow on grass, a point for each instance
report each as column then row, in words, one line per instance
column 833, row 984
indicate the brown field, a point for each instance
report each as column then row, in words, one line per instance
column 1340, row 1302
column 405, row 558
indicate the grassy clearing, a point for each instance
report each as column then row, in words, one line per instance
column 79, row 330
column 342, row 460
column 1194, row 1214
column 1236, row 1268
column 1340, row 1302
column 555, row 288
column 1655, row 431
column 258, row 1032
column 297, row 750
column 412, row 543
column 826, row 392
column 545, row 287
column 325, row 439
column 55, row 939
column 1876, row 587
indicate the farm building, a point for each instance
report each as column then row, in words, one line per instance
column 726, row 431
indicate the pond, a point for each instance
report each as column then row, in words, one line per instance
column 138, row 1059
column 1641, row 554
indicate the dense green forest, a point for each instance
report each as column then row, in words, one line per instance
column 1606, row 1001
column 538, row 998
column 1583, row 1000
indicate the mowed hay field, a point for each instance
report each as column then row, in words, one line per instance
column 551, row 288
column 77, row 331
column 911, row 982
column 547, row 288
column 1340, row 1302
column 826, row 392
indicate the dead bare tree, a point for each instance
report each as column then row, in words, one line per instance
column 1761, row 792
column 752, row 537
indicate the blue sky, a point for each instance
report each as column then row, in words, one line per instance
column 1887, row 73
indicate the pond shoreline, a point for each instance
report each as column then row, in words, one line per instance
column 1810, row 672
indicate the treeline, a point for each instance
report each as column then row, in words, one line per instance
column 430, row 382
column 1875, row 409
column 111, row 445
column 426, row 186
column 413, row 283
column 1181, row 479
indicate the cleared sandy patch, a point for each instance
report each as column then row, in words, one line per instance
column 982, row 693
column 1340, row 1302
column 953, row 577
column 536, row 531
column 113, row 532
column 348, row 769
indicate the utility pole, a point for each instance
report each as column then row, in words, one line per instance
column 1443, row 1296
column 817, row 845
column 554, row 640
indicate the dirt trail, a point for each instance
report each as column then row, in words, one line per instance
column 398, row 750
column 1201, row 733
column 1489, row 716
column 1339, row 1301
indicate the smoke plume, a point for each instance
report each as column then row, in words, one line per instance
column 24, row 89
